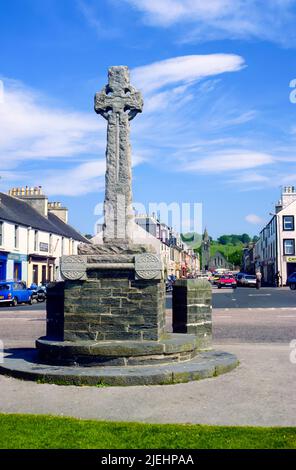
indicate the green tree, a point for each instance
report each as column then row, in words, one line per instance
column 236, row 257
column 224, row 239
column 245, row 238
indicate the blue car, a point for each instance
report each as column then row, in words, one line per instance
column 291, row 281
column 15, row 292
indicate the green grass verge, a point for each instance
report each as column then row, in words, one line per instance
column 48, row 432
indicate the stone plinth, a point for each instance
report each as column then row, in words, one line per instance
column 172, row 348
column 192, row 310
column 118, row 297
column 112, row 305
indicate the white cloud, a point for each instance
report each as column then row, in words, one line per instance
column 230, row 161
column 217, row 19
column 31, row 128
column 254, row 219
column 184, row 70
column 34, row 129
column 251, row 178
column 81, row 179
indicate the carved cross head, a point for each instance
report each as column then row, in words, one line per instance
column 118, row 96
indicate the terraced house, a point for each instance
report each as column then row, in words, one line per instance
column 275, row 250
column 34, row 234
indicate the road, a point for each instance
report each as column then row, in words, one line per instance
column 257, row 326
column 244, row 315
column 248, row 315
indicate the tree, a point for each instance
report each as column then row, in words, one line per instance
column 224, row 239
column 245, row 238
column 236, row 257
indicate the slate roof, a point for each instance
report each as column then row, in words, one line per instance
column 20, row 212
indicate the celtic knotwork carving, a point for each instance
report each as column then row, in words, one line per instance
column 148, row 266
column 73, row 267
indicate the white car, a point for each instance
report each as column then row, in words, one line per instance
column 246, row 280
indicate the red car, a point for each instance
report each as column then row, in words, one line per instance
column 226, row 281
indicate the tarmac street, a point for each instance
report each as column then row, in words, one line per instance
column 257, row 326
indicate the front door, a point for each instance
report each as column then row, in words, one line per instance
column 2, row 270
column 35, row 274
column 17, row 271
column 43, row 277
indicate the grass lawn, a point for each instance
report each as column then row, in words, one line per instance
column 48, row 432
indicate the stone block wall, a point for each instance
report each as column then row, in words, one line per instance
column 55, row 310
column 192, row 310
column 112, row 305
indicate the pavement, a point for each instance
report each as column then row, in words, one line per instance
column 257, row 326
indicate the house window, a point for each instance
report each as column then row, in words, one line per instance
column 16, row 236
column 50, row 243
column 289, row 247
column 288, row 222
column 36, row 240
column 1, row 234
column 63, row 245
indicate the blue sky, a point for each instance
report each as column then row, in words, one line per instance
column 218, row 126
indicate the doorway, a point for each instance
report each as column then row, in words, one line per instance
column 17, row 271
column 43, row 275
column 35, row 274
column 2, row 270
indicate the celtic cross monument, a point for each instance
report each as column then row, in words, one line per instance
column 106, row 319
column 118, row 103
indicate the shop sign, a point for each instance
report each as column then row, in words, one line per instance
column 43, row 247
column 17, row 257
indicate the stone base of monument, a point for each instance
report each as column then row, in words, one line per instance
column 172, row 348
column 106, row 325
column 25, row 364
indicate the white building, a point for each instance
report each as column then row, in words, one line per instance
column 275, row 250
column 34, row 234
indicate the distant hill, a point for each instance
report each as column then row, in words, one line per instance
column 233, row 253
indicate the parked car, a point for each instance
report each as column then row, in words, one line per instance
column 39, row 294
column 215, row 278
column 15, row 292
column 291, row 281
column 246, row 280
column 226, row 281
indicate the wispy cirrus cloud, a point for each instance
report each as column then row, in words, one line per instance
column 184, row 70
column 32, row 128
column 184, row 125
column 231, row 160
column 219, row 19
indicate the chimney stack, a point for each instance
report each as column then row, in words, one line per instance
column 32, row 196
column 288, row 195
column 57, row 209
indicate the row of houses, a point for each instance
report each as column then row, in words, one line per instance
column 274, row 253
column 178, row 258
column 34, row 234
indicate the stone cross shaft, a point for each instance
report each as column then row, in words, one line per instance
column 118, row 103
